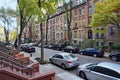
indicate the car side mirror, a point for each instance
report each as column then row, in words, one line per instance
column 88, row 69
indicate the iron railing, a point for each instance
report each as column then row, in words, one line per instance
column 10, row 57
column 12, row 65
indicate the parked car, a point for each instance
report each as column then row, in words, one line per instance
column 27, row 48
column 114, row 56
column 33, row 44
column 71, row 49
column 58, row 47
column 65, row 60
column 100, row 71
column 92, row 52
column 49, row 46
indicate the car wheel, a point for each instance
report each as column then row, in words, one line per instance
column 81, row 53
column 28, row 51
column 57, row 49
column 113, row 58
column 82, row 75
column 94, row 55
column 63, row 66
column 71, row 51
column 51, row 61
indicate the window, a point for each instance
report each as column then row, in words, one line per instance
column 110, row 43
column 75, row 34
column 58, row 56
column 75, row 24
column 61, row 18
column 102, row 43
column 82, row 11
column 80, row 43
column 75, row 42
column 105, row 71
column 90, row 10
column 80, row 34
column 97, row 43
column 97, row 69
column 89, row 34
column 97, row 35
column 53, row 21
column 69, row 57
column 75, row 12
column 102, row 36
column 89, row 20
column 83, row 21
column 112, row 31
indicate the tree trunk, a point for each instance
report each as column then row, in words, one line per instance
column 21, row 30
column 15, row 43
column 42, row 49
column 19, row 39
column 69, row 18
column 47, row 29
column 6, row 35
column 30, row 30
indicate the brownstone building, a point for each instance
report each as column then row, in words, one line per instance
column 82, row 12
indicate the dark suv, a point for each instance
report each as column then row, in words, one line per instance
column 114, row 56
column 27, row 48
column 58, row 47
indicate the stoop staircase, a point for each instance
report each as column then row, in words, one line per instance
column 14, row 69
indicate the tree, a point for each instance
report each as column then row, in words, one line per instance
column 106, row 12
column 49, row 7
column 24, row 17
column 37, row 8
column 31, row 25
column 5, row 15
column 68, row 12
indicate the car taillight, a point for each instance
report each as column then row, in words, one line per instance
column 101, row 52
column 69, row 62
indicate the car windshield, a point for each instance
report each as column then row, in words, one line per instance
column 30, row 46
column 91, row 65
column 90, row 49
column 27, row 45
column 69, row 56
column 70, row 47
column 115, row 52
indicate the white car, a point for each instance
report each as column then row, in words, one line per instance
column 100, row 71
column 65, row 60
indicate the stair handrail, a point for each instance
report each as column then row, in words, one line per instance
column 10, row 57
column 12, row 64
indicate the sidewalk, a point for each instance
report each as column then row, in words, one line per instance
column 60, row 73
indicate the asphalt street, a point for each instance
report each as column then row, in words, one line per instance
column 82, row 58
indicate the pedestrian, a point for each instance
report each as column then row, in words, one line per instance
column 30, row 54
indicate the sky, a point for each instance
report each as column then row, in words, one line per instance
column 8, row 4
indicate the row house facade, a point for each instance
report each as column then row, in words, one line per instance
column 82, row 12
column 79, row 23
column 57, row 26
column 109, row 37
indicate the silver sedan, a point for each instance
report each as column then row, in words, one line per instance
column 65, row 60
column 100, row 71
